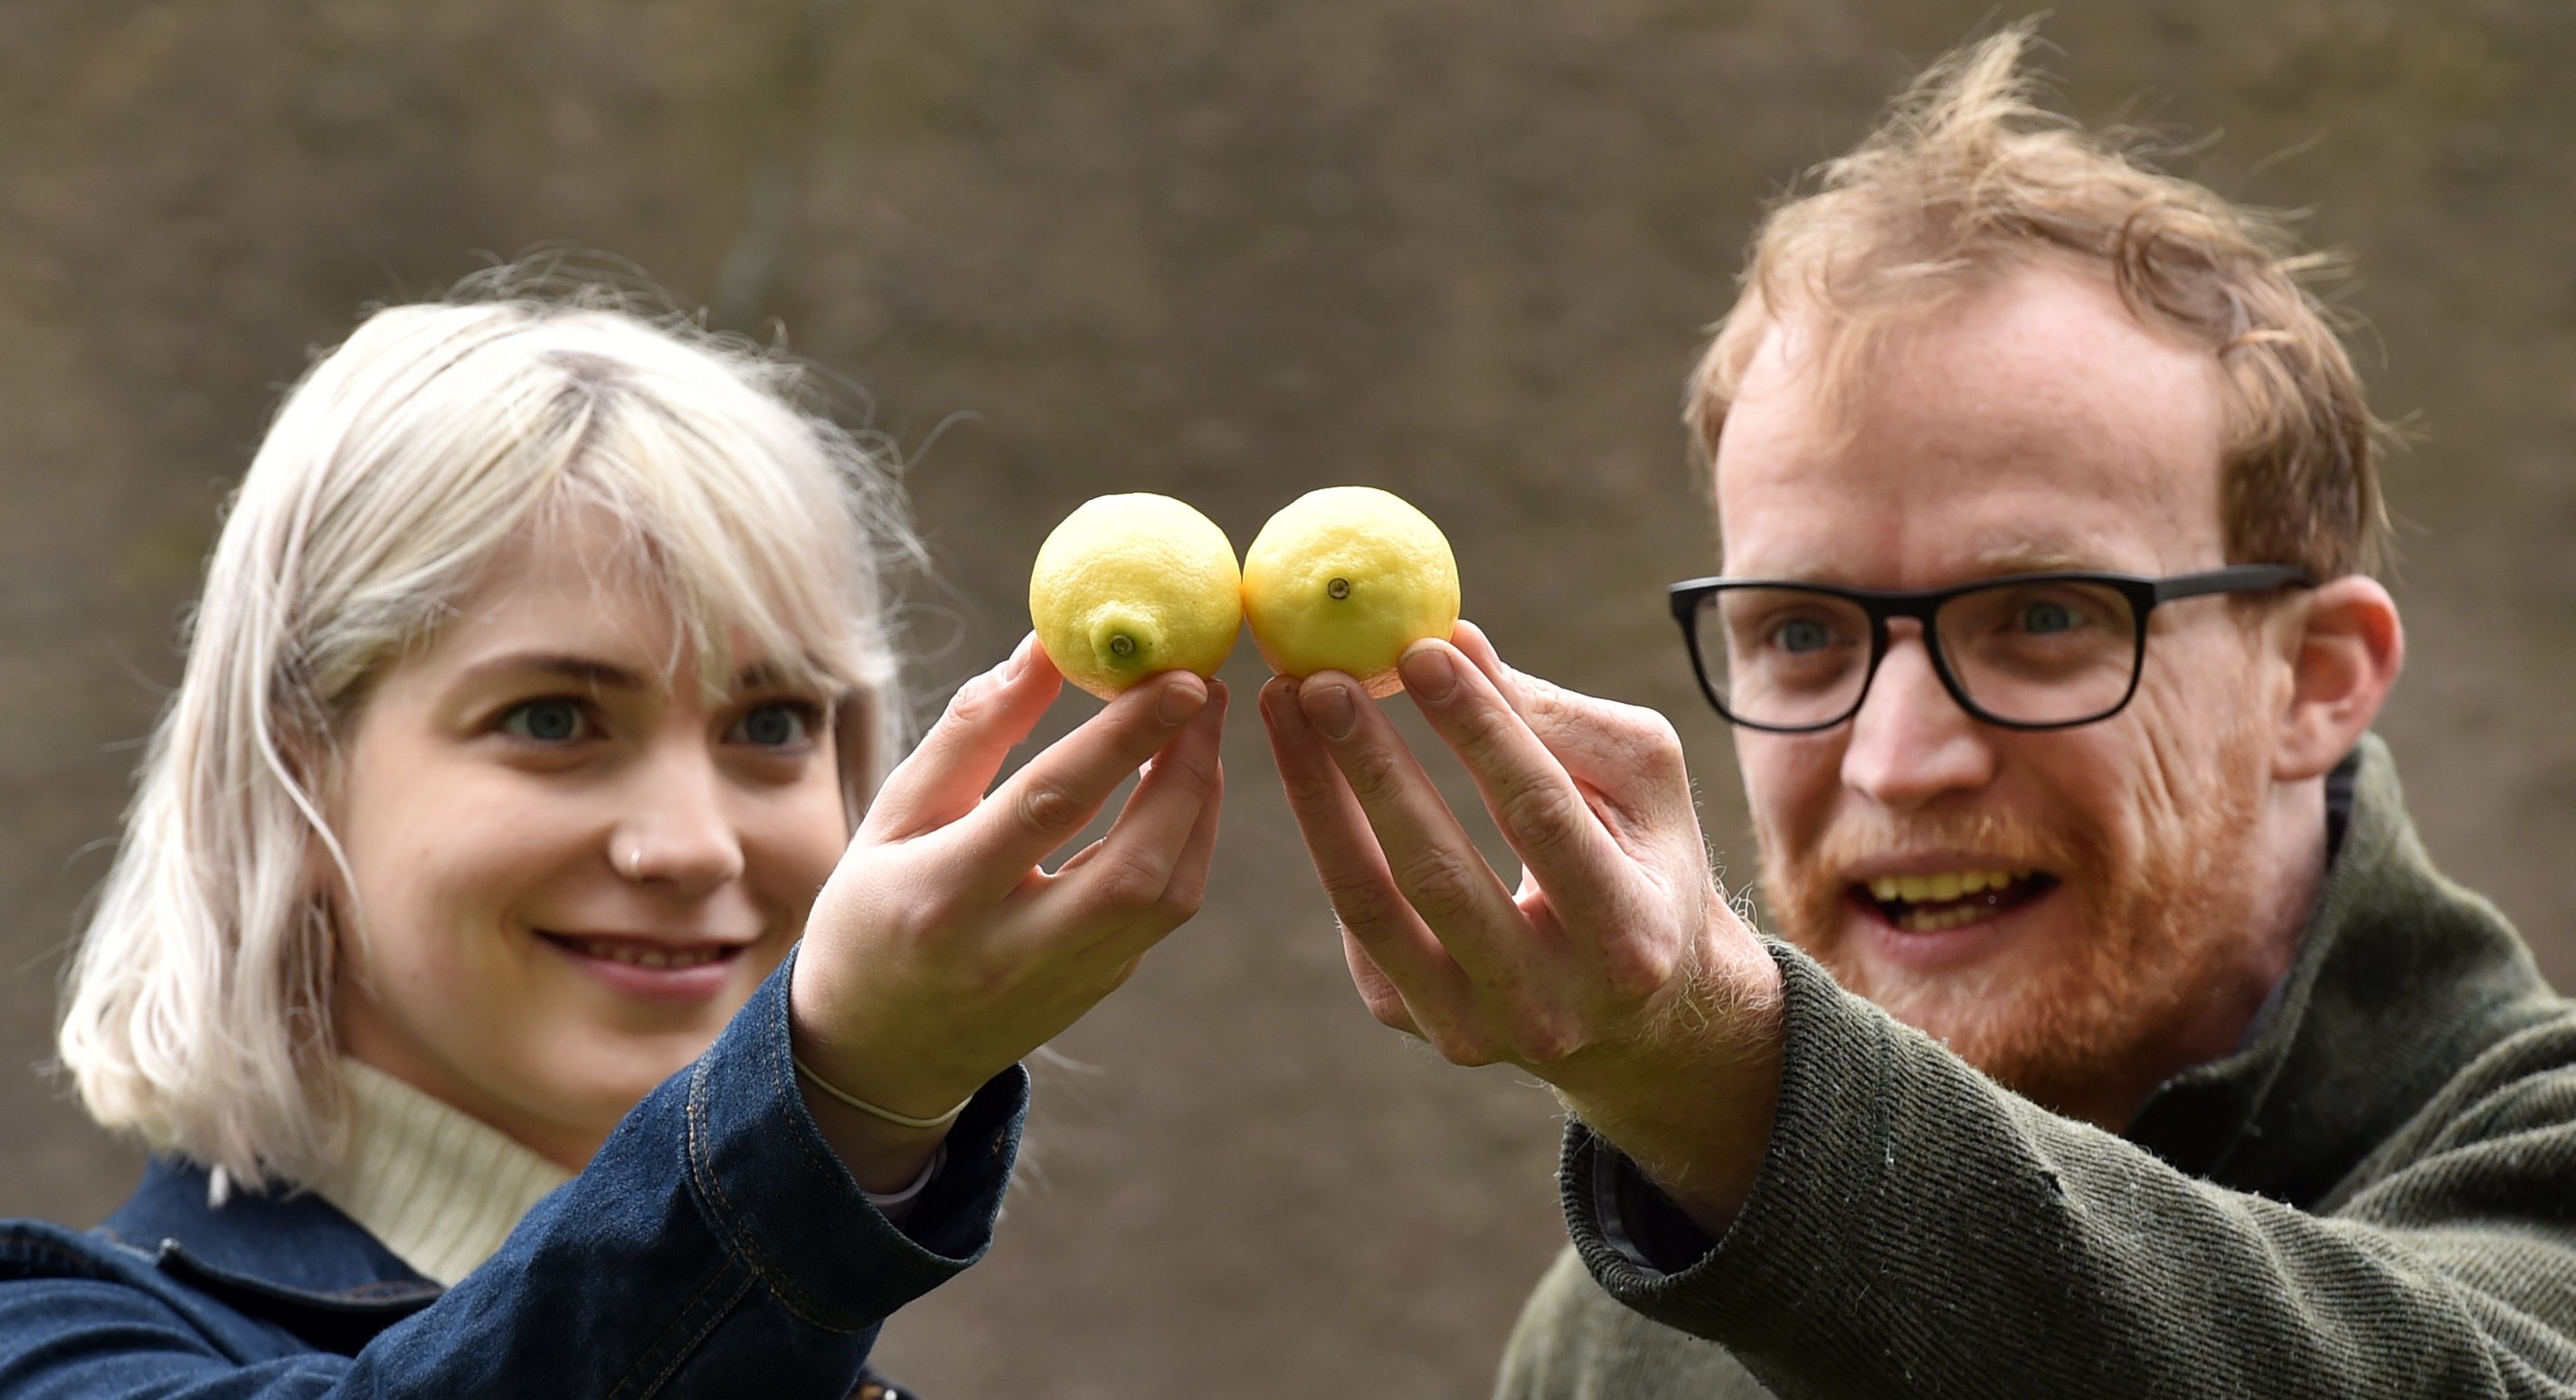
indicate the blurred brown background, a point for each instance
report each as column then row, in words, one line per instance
column 1227, row 250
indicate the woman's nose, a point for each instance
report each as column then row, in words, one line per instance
column 678, row 832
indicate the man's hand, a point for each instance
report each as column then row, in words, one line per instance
column 1616, row 972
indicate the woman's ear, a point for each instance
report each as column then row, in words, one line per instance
column 855, row 737
column 2345, row 647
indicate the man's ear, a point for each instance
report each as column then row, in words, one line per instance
column 2345, row 648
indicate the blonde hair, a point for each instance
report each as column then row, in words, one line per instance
column 1967, row 180
column 198, row 1013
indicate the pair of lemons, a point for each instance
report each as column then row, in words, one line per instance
column 1341, row 579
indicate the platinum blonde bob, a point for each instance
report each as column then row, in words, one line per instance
column 197, row 1012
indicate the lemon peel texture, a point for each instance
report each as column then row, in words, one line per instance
column 1132, row 585
column 1344, row 579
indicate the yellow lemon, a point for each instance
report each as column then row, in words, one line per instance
column 1132, row 585
column 1344, row 579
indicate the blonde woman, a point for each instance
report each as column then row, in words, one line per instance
column 519, row 974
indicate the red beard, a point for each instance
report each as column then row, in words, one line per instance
column 2102, row 1016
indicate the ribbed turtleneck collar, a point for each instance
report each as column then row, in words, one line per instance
column 437, row 1186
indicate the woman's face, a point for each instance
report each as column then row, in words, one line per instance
column 571, row 869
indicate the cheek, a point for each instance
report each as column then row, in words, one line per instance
column 792, row 840
column 437, row 877
column 1790, row 784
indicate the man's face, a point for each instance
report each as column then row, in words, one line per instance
column 2032, row 425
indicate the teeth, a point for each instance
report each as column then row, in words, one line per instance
column 1935, row 920
column 1941, row 888
column 646, row 955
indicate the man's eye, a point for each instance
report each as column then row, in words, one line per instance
column 545, row 721
column 2044, row 617
column 779, row 725
column 1802, row 634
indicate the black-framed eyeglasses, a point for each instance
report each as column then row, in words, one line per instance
column 2022, row 651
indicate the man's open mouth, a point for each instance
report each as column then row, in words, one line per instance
column 1932, row 903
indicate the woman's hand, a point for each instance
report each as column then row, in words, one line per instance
column 939, row 953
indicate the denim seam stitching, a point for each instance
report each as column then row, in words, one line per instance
column 737, row 1238
column 705, row 1330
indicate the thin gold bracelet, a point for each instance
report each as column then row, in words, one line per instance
column 862, row 1105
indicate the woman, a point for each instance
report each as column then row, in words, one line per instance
column 505, row 961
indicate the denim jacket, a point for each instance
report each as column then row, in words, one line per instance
column 715, row 1246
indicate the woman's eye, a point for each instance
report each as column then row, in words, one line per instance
column 779, row 725
column 545, row 721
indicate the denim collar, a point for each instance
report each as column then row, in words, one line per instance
column 288, row 1248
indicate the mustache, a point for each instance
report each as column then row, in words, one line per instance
column 1876, row 834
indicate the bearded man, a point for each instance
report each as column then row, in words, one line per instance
column 2119, row 1038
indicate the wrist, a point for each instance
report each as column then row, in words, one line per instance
column 883, row 1157
column 1693, row 1099
column 855, row 1054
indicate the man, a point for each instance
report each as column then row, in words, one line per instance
column 2121, row 1039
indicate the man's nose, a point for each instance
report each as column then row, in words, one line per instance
column 1911, row 742
column 679, row 832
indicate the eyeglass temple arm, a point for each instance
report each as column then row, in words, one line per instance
column 2236, row 578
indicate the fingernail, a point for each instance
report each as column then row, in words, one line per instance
column 1329, row 706
column 1019, row 661
column 1429, row 673
column 1278, row 701
column 1181, row 699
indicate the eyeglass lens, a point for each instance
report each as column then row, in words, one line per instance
column 2025, row 653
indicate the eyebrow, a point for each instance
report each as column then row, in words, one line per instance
column 2034, row 559
column 596, row 674
column 1995, row 562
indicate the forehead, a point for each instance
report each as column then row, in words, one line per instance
column 573, row 583
column 2033, row 422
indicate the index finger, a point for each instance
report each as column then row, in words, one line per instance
column 1058, row 792
column 1542, row 813
column 946, row 774
column 1599, row 742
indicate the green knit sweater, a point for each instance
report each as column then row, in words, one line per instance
column 2376, row 1196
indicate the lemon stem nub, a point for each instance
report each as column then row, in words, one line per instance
column 1339, row 588
column 1125, row 641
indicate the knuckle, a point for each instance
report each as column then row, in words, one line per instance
column 1118, row 975
column 1130, row 884
column 1483, row 733
column 1461, row 1047
column 1546, row 701
column 1371, row 773
column 1362, row 904
column 983, row 981
column 1544, row 1035
column 1651, row 731
column 1636, row 968
column 1046, row 810
column 1438, row 883
column 1387, row 1009
column 1181, row 900
column 1307, row 791
column 974, row 701
column 1542, row 819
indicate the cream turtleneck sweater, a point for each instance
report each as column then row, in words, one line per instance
column 442, row 1189
column 437, row 1186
